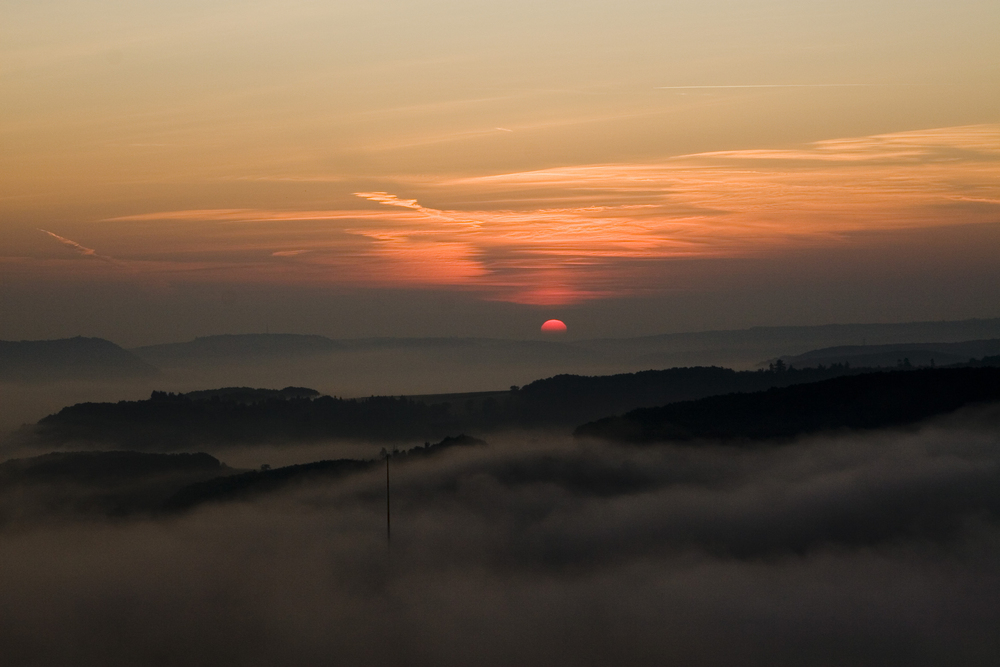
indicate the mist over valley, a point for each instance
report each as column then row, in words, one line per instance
column 854, row 519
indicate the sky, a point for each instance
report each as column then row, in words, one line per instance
column 451, row 168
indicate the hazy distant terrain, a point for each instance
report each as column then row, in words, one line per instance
column 363, row 367
column 70, row 371
column 896, row 354
column 71, row 358
column 437, row 365
column 751, row 348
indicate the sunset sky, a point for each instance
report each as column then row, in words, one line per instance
column 395, row 168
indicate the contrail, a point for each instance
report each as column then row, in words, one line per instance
column 76, row 247
column 776, row 85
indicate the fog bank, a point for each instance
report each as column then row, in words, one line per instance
column 846, row 550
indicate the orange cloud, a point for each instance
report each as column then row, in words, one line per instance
column 569, row 234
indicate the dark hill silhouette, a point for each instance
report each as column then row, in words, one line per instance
column 241, row 415
column 567, row 399
column 172, row 422
column 98, row 467
column 256, row 482
column 867, row 401
column 96, row 484
column 251, row 395
column 69, row 358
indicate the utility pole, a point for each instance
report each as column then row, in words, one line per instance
column 388, row 507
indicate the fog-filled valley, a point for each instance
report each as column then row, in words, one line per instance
column 537, row 549
column 831, row 514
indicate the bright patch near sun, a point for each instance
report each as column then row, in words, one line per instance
column 553, row 326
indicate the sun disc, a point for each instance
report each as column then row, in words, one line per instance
column 553, row 326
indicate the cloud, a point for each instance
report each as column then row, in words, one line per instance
column 76, row 247
column 568, row 230
column 289, row 253
column 390, row 200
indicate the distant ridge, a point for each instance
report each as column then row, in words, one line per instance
column 756, row 346
column 232, row 346
column 736, row 348
column 886, row 356
column 950, row 329
column 69, row 358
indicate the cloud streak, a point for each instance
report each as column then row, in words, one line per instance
column 83, row 251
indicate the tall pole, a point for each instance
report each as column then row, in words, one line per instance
column 388, row 509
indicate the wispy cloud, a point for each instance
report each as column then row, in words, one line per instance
column 589, row 231
column 289, row 253
column 392, row 200
column 76, row 247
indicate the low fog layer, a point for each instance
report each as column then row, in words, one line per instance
column 881, row 548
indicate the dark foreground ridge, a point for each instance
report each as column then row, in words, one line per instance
column 242, row 415
column 256, row 482
column 66, row 486
column 868, row 401
column 247, row 416
column 172, row 422
column 101, row 466
column 97, row 484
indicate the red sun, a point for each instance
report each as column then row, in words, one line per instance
column 553, row 326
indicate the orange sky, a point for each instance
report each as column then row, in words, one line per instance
column 545, row 155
